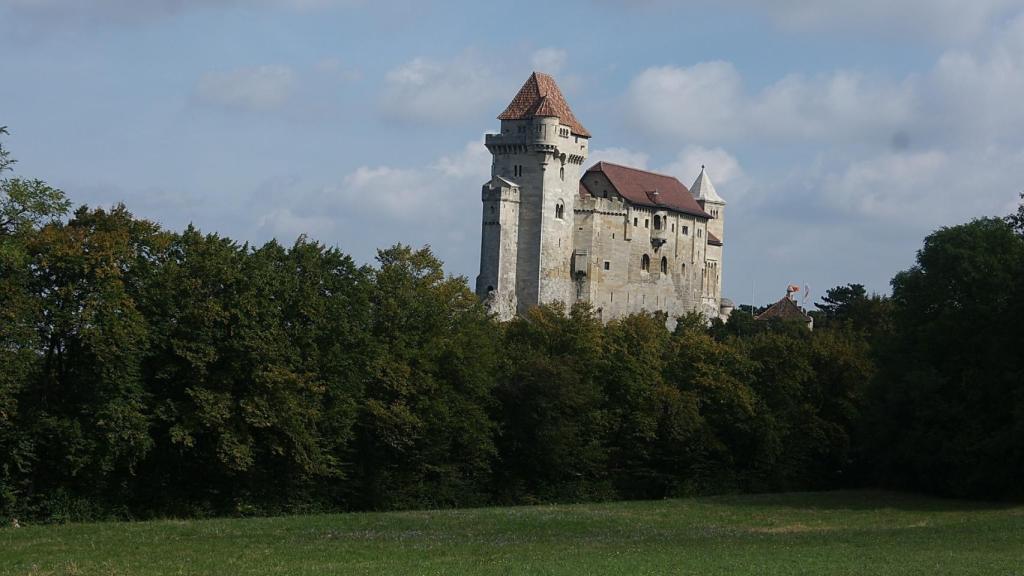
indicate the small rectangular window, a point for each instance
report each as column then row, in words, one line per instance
column 607, row 265
column 634, row 221
column 686, row 230
column 647, row 222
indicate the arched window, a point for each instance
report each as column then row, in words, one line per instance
column 657, row 222
column 561, row 173
column 664, row 265
column 645, row 263
column 682, row 268
column 559, row 211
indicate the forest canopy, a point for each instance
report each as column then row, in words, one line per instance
column 150, row 372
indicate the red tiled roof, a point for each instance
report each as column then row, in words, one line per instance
column 785, row 309
column 713, row 240
column 584, row 191
column 650, row 189
column 540, row 96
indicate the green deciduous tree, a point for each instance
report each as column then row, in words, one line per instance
column 87, row 407
column 553, row 426
column 425, row 438
column 951, row 408
column 25, row 206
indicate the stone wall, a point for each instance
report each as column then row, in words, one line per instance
column 543, row 243
column 612, row 238
column 543, row 159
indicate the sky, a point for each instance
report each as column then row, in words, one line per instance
column 840, row 133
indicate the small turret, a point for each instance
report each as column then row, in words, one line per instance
column 707, row 197
column 703, row 190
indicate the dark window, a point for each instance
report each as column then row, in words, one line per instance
column 645, row 263
column 607, row 265
column 647, row 222
column 559, row 210
column 561, row 173
column 686, row 230
column 657, row 222
column 634, row 221
column 664, row 265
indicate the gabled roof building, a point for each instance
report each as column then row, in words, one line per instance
column 787, row 310
column 624, row 239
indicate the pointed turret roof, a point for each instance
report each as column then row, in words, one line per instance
column 540, row 96
column 703, row 189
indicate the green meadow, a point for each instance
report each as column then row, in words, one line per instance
column 852, row 533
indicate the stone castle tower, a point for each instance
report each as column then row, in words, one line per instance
column 551, row 232
column 526, row 249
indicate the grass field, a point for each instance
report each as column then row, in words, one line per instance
column 815, row 533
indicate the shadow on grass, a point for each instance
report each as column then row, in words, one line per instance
column 860, row 500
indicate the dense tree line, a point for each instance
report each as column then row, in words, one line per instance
column 148, row 372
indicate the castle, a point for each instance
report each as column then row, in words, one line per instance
column 623, row 239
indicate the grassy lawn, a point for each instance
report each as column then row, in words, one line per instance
column 853, row 533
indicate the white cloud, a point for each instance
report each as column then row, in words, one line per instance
column 926, row 189
column 891, row 186
column 285, row 225
column 374, row 206
column 432, row 194
column 839, row 105
column 622, row 156
column 258, row 88
column 707, row 103
column 978, row 96
column 967, row 95
column 549, row 60
column 700, row 102
column 428, row 91
column 723, row 168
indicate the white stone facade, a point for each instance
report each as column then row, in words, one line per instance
column 552, row 232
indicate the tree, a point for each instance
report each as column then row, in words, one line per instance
column 424, row 433
column 86, row 407
column 950, row 402
column 636, row 398
column 715, row 405
column 850, row 306
column 553, row 426
column 25, row 206
column 1017, row 220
